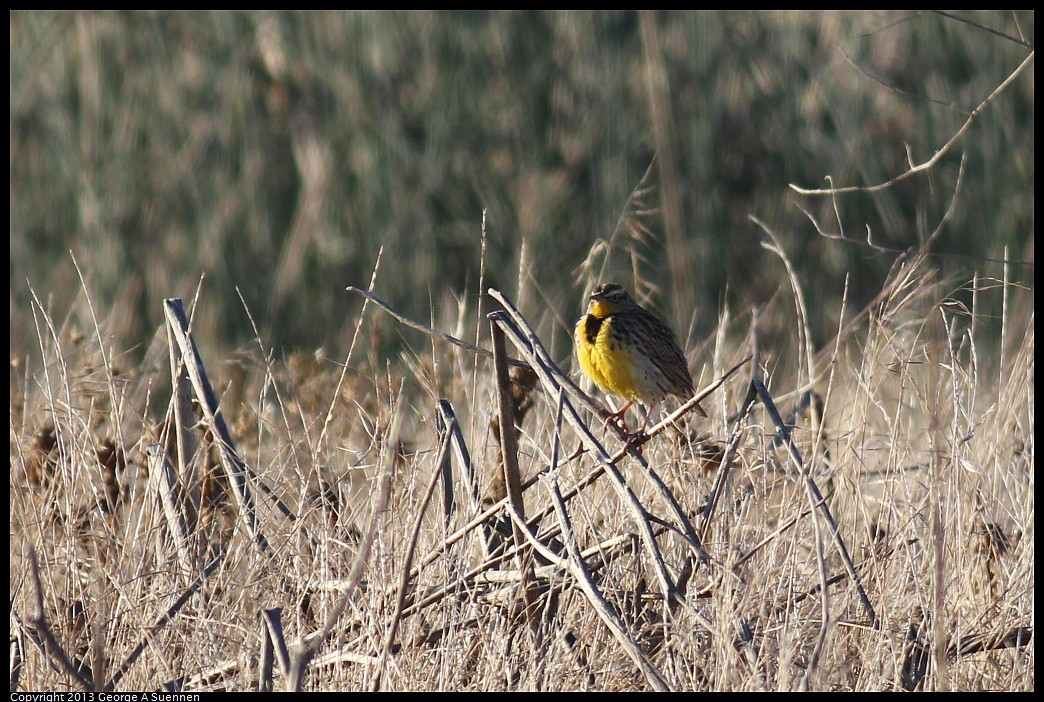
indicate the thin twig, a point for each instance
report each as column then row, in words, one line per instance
column 1002, row 35
column 731, row 450
column 689, row 404
column 132, row 657
column 307, row 651
column 576, row 567
column 935, row 157
column 428, row 330
column 817, row 499
column 351, row 348
column 400, row 600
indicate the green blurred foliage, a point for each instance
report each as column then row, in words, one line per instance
column 278, row 152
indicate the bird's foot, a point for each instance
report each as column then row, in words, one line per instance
column 617, row 419
column 636, row 440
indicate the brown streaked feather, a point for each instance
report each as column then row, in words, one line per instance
column 665, row 351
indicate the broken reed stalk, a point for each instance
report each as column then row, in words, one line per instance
column 512, row 477
column 448, row 421
column 273, row 648
column 445, row 471
column 169, row 493
column 184, row 434
column 235, row 468
column 446, row 424
column 177, row 325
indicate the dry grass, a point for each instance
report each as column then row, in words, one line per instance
column 921, row 440
column 295, row 528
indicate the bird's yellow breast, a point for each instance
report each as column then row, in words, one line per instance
column 603, row 358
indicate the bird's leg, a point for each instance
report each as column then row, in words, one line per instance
column 640, row 437
column 617, row 417
column 633, row 440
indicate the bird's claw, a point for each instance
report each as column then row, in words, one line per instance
column 617, row 421
column 636, row 440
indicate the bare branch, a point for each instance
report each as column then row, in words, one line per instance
column 938, row 154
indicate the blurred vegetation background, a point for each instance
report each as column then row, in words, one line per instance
column 277, row 152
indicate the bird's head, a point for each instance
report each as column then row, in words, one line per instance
column 610, row 298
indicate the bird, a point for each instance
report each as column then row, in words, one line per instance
column 630, row 352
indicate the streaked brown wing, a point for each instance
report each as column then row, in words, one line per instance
column 662, row 348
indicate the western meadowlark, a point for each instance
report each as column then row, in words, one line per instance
column 629, row 351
